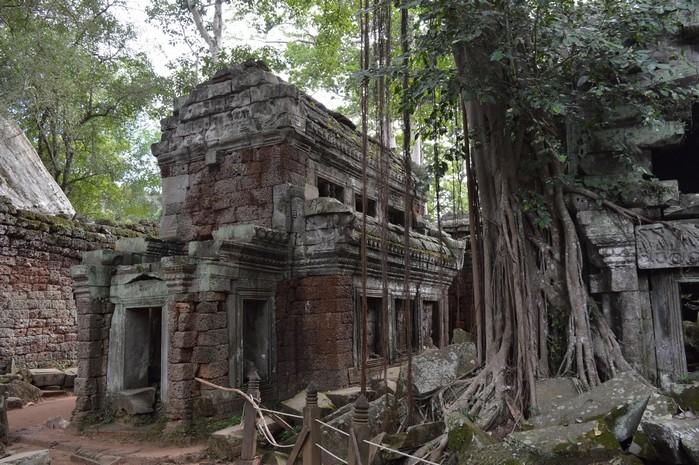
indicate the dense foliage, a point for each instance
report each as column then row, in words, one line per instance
column 68, row 77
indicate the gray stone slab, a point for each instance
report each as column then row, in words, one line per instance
column 36, row 457
column 296, row 404
column 42, row 377
column 578, row 438
column 14, row 403
column 436, row 368
column 668, row 435
column 553, row 392
column 620, row 401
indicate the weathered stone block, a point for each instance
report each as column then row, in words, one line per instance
column 620, row 401
column 212, row 338
column 47, row 377
column 135, row 401
column 435, row 368
column 577, row 438
column 668, row 435
column 35, row 457
column 181, row 371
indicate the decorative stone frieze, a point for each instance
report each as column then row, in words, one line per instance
column 673, row 244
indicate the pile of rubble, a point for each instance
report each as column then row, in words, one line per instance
column 623, row 421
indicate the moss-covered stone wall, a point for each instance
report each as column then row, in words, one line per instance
column 37, row 309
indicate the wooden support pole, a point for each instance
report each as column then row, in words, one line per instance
column 359, row 433
column 311, row 413
column 249, row 446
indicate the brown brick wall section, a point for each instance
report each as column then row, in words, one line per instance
column 461, row 309
column 315, row 318
column 37, row 309
column 238, row 190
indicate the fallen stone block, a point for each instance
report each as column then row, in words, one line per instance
column 342, row 397
column 433, row 369
column 89, row 457
column 36, row 457
column 227, row 443
column 668, row 435
column 620, row 402
column 658, row 407
column 296, row 404
column 415, row 437
column 686, row 395
column 380, row 413
column 14, row 403
column 57, row 422
column 571, row 440
column 135, row 401
column 42, row 377
column 554, row 392
column 464, row 434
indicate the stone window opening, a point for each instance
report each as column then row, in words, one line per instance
column 689, row 294
column 396, row 216
column 680, row 163
column 328, row 188
column 370, row 205
column 142, row 347
column 400, row 323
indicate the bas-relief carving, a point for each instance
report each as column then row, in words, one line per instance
column 670, row 245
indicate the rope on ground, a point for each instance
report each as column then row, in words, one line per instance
column 381, row 446
column 332, row 428
column 331, row 454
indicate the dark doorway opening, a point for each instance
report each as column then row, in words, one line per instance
column 689, row 294
column 430, row 323
column 256, row 336
column 374, row 332
column 680, row 163
column 401, row 325
column 143, row 343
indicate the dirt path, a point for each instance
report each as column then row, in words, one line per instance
column 37, row 427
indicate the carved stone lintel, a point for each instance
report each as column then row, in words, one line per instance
column 660, row 246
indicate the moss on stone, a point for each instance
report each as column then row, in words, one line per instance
column 687, row 397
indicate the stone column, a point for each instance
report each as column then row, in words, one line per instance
column 612, row 249
column 91, row 284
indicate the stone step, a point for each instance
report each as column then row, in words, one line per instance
column 53, row 393
column 93, row 458
column 35, row 457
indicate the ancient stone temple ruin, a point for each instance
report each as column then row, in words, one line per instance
column 258, row 260
column 645, row 277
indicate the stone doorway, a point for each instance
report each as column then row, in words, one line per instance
column 251, row 338
column 143, row 347
column 689, row 295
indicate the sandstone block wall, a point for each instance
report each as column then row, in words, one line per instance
column 239, row 190
column 37, row 309
column 315, row 326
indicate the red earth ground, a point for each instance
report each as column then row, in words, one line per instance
column 37, row 427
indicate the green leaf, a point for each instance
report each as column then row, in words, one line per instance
column 497, row 55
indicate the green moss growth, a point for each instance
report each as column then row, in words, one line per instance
column 687, row 397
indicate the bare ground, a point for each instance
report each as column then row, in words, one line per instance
column 36, row 427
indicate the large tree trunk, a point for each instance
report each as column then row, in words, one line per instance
column 523, row 270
